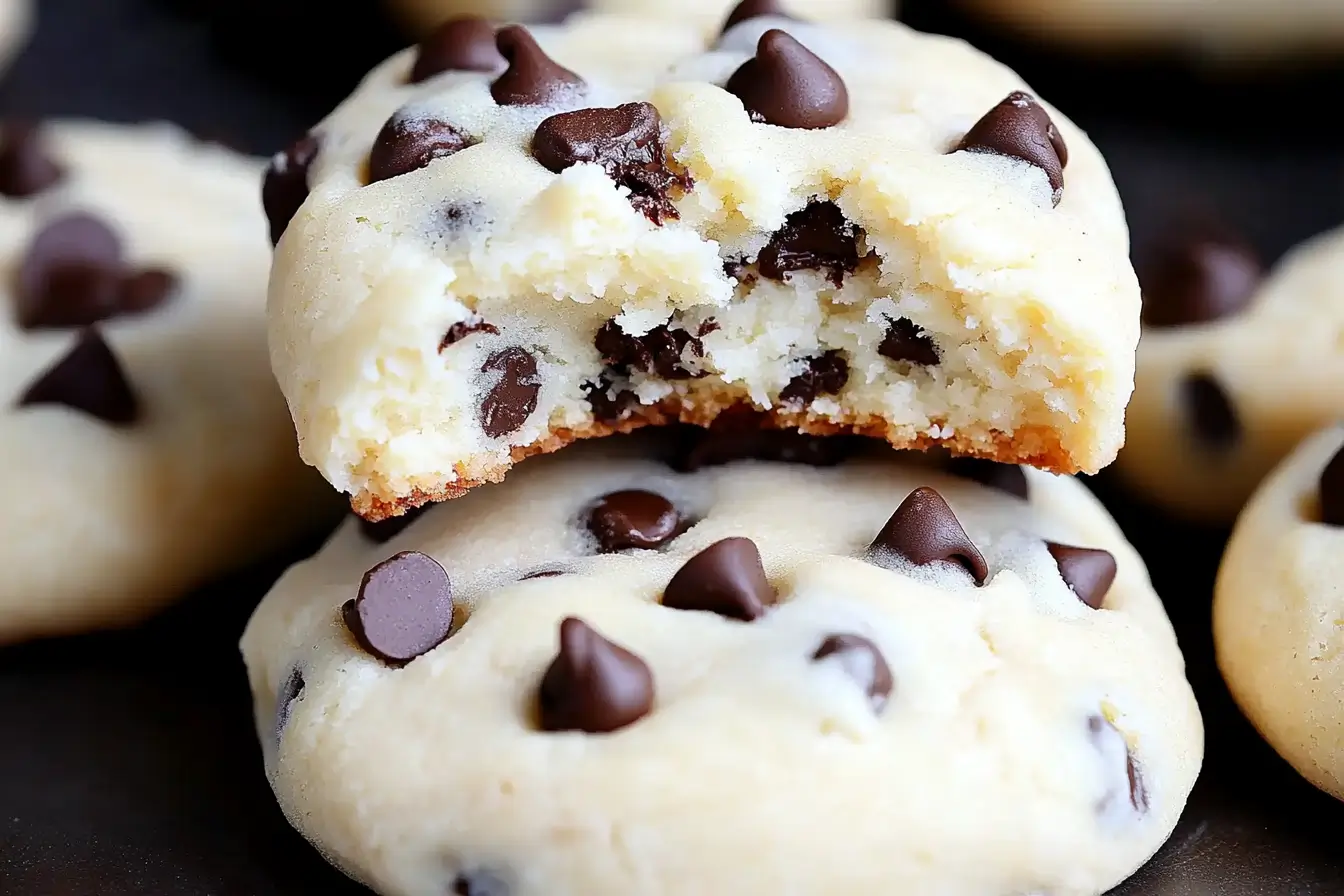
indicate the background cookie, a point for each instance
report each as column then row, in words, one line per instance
column 1279, row 607
column 143, row 445
column 15, row 22
column 848, row 708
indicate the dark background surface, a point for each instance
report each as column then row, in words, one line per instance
column 128, row 763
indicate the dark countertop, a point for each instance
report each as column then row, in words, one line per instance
column 130, row 764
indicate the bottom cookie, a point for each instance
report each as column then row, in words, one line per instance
column 610, row 675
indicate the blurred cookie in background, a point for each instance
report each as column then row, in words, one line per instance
column 15, row 23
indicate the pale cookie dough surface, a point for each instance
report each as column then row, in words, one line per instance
column 15, row 23
column 1020, row 741
column 381, row 293
column 1278, row 610
column 1218, row 402
column 105, row 520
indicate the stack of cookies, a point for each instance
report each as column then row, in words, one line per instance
column 709, row 410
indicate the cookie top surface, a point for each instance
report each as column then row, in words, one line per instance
column 743, row 658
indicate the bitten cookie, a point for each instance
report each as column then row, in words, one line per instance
column 501, row 244
column 145, row 446
column 15, row 23
column 1232, row 372
column 605, row 676
column 1279, row 608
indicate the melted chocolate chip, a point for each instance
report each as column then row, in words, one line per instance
column 409, row 144
column 862, row 661
column 1331, row 489
column 1020, row 128
column 1088, row 572
column 824, row 375
column 609, row 406
column 464, row 328
column 479, row 883
column 924, row 530
column 593, row 685
column 660, row 351
column 907, row 341
column 26, row 167
column 1211, row 412
column 89, row 378
column 70, row 275
column 1004, row 477
column 463, row 44
column 717, row 446
column 290, row 691
column 532, row 78
column 513, row 396
column 633, row 519
column 725, row 578
column 816, row 237
column 1199, row 280
column 384, row 531
column 788, row 85
column 753, row 9
column 285, row 186
column 404, row 608
column 1104, row 735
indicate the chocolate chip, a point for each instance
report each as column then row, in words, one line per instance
column 26, row 168
column 1104, row 733
column 1199, row 280
column 532, row 78
column 907, row 341
column 725, row 578
column 593, row 685
column 816, row 237
column 633, row 519
column 88, row 378
column 285, row 186
column 513, row 396
column 609, row 406
column 70, row 275
column 786, row 84
column 290, row 691
column 404, row 608
column 1004, row 477
column 753, row 9
column 824, row 375
column 714, row 447
column 479, row 883
column 1088, row 572
column 627, row 142
column 1332, row 491
column 862, row 661
column 463, row 44
column 408, row 144
column 384, row 531
column 662, row 350
column 1211, row 413
column 1020, row 128
column 924, row 530
column 146, row 289
column 464, row 328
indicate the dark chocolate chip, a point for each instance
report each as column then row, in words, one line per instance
column 1199, row 280
column 146, row 289
column 1102, row 730
column 464, row 328
column 725, row 578
column 285, row 186
column 816, row 237
column 593, row 685
column 753, row 9
column 532, row 78
column 661, row 351
column 925, row 530
column 71, row 274
column 409, row 144
column 1211, row 412
column 824, row 375
column 463, row 44
column 1004, row 477
column 404, row 608
column 862, row 661
column 290, row 691
column 88, row 378
column 480, row 883
column 26, row 168
column 384, row 531
column 907, row 341
column 627, row 142
column 609, row 406
column 1020, row 128
column 1332, row 491
column 788, row 85
column 513, row 396
column 633, row 519
column 1088, row 572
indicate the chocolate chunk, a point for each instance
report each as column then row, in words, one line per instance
column 824, row 375
column 593, row 685
column 1211, row 413
column 1332, row 491
column 384, row 531
column 626, row 141
column 290, row 691
column 1004, row 477
column 532, row 78
column 1199, row 280
column 464, row 328
column 88, row 378
column 907, row 341
column 70, row 275
column 816, row 237
column 1088, row 572
column 725, row 578
column 513, row 396
column 753, row 9
column 408, row 144
column 404, row 608
column 146, row 289
column 786, row 84
column 633, row 519
column 924, row 530
column 285, row 186
column 1020, row 128
column 660, row 351
column 479, row 883
column 714, row 447
column 463, row 44
column 862, row 661
column 609, row 406
column 1104, row 735
column 26, row 167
